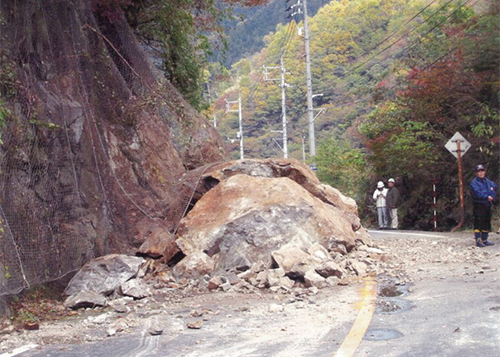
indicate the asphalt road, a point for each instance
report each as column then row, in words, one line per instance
column 447, row 314
column 453, row 314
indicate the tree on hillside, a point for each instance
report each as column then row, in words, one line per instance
column 441, row 93
column 181, row 34
column 341, row 33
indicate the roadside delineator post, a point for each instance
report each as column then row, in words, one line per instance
column 434, row 203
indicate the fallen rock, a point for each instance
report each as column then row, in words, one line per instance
column 358, row 267
column 328, row 269
column 214, row 283
column 117, row 326
column 262, row 279
column 333, row 281
column 338, row 248
column 274, row 276
column 319, row 252
column 119, row 307
column 196, row 325
column 84, row 298
column 289, row 256
column 258, row 266
column 135, row 288
column 105, row 274
column 156, row 239
column 244, row 218
column 291, row 169
column 286, row 283
column 313, row 279
column 155, row 327
column 274, row 308
column 194, row 265
column 276, row 168
column 196, row 313
column 99, row 319
column 299, row 270
column 247, row 275
column 232, row 278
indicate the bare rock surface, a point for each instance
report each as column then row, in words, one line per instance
column 245, row 218
column 135, row 288
column 195, row 265
column 84, row 298
column 289, row 168
column 157, row 240
column 105, row 274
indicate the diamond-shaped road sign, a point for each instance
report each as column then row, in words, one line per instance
column 452, row 146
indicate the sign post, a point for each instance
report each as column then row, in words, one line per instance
column 458, row 146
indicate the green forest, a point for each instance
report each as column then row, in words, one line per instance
column 397, row 79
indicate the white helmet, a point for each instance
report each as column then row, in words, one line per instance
column 392, row 180
column 380, row 184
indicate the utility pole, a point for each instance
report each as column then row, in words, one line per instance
column 310, row 121
column 283, row 103
column 210, row 102
column 240, row 132
column 303, row 150
column 283, row 108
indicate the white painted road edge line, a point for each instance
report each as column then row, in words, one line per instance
column 406, row 234
column 19, row 350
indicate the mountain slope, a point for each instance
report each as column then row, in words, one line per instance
column 246, row 36
column 93, row 145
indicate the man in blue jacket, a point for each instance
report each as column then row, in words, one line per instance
column 483, row 193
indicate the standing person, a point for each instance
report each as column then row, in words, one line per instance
column 393, row 203
column 483, row 193
column 379, row 196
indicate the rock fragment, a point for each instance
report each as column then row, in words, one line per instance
column 84, row 298
column 195, row 325
column 313, row 279
column 104, row 274
column 135, row 288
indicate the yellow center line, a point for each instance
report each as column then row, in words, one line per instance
column 358, row 329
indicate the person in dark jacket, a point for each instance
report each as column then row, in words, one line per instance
column 393, row 203
column 483, row 193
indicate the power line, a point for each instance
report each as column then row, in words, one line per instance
column 411, row 45
column 288, row 34
column 399, row 27
column 406, row 35
column 285, row 42
column 424, row 68
column 363, row 98
column 402, row 37
column 440, row 23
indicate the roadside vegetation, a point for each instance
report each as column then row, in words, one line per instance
column 398, row 79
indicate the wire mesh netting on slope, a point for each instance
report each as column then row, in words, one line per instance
column 90, row 146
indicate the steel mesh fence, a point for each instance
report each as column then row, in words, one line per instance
column 60, row 100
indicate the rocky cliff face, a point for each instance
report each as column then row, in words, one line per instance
column 94, row 142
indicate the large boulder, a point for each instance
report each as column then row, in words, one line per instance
column 274, row 168
column 245, row 218
column 105, row 274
